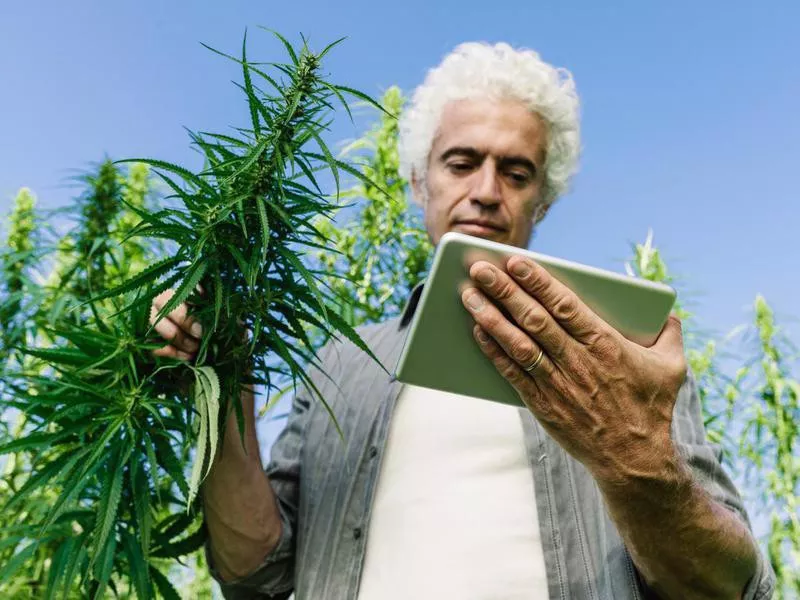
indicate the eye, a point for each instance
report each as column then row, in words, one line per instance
column 519, row 177
column 459, row 167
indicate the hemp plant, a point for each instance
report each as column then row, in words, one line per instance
column 18, row 267
column 383, row 249
column 115, row 423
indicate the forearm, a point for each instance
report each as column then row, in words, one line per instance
column 684, row 544
column 241, row 511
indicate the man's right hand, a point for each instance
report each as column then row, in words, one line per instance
column 178, row 328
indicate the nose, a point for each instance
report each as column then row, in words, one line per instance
column 486, row 186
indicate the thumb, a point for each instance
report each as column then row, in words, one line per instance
column 670, row 340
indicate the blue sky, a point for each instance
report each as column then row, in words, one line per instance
column 690, row 111
column 690, row 120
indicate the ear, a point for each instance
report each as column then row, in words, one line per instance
column 539, row 212
column 418, row 188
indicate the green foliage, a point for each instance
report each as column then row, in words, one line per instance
column 17, row 262
column 46, row 526
column 382, row 251
column 109, row 428
column 378, row 249
column 754, row 414
column 770, row 442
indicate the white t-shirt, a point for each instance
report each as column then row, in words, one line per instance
column 454, row 513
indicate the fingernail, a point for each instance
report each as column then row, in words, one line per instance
column 196, row 329
column 482, row 337
column 521, row 269
column 486, row 276
column 475, row 301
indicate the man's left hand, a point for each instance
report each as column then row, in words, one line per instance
column 605, row 399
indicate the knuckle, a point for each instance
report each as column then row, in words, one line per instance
column 678, row 371
column 605, row 346
column 522, row 351
column 508, row 369
column 504, row 290
column 534, row 320
column 490, row 322
column 538, row 281
column 565, row 308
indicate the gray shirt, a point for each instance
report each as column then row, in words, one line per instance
column 324, row 484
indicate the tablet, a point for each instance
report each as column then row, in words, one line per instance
column 440, row 351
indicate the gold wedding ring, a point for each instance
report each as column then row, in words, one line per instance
column 536, row 362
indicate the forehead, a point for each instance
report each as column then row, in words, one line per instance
column 499, row 127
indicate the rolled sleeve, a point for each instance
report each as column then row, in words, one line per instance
column 271, row 580
column 274, row 578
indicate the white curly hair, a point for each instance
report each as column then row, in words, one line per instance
column 482, row 70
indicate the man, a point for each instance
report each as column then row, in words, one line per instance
column 602, row 487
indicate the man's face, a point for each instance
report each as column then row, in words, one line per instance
column 485, row 172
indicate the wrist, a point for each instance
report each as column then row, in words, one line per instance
column 656, row 472
column 240, row 446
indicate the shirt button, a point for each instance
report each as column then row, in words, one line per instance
column 373, row 452
column 357, row 533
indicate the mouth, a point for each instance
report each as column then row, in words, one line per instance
column 478, row 227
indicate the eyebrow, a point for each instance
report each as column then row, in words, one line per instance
column 475, row 154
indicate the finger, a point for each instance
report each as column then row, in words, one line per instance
column 525, row 310
column 577, row 319
column 516, row 344
column 200, row 291
column 172, row 352
column 182, row 341
column 504, row 364
column 179, row 315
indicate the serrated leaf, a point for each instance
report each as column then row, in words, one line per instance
column 193, row 276
column 109, row 502
column 251, row 158
column 207, row 393
column 182, row 172
column 311, row 282
column 104, row 564
column 29, row 442
column 264, row 225
column 149, row 275
column 202, row 440
column 248, row 85
column 183, row 546
column 347, row 330
column 163, row 585
column 16, row 561
column 58, row 468
column 140, row 490
column 74, row 561
column 79, row 481
column 58, row 356
column 57, row 567
column 138, row 568
column 211, row 394
column 218, row 300
column 286, row 44
column 169, row 461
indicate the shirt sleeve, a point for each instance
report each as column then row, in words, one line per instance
column 704, row 458
column 273, row 579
